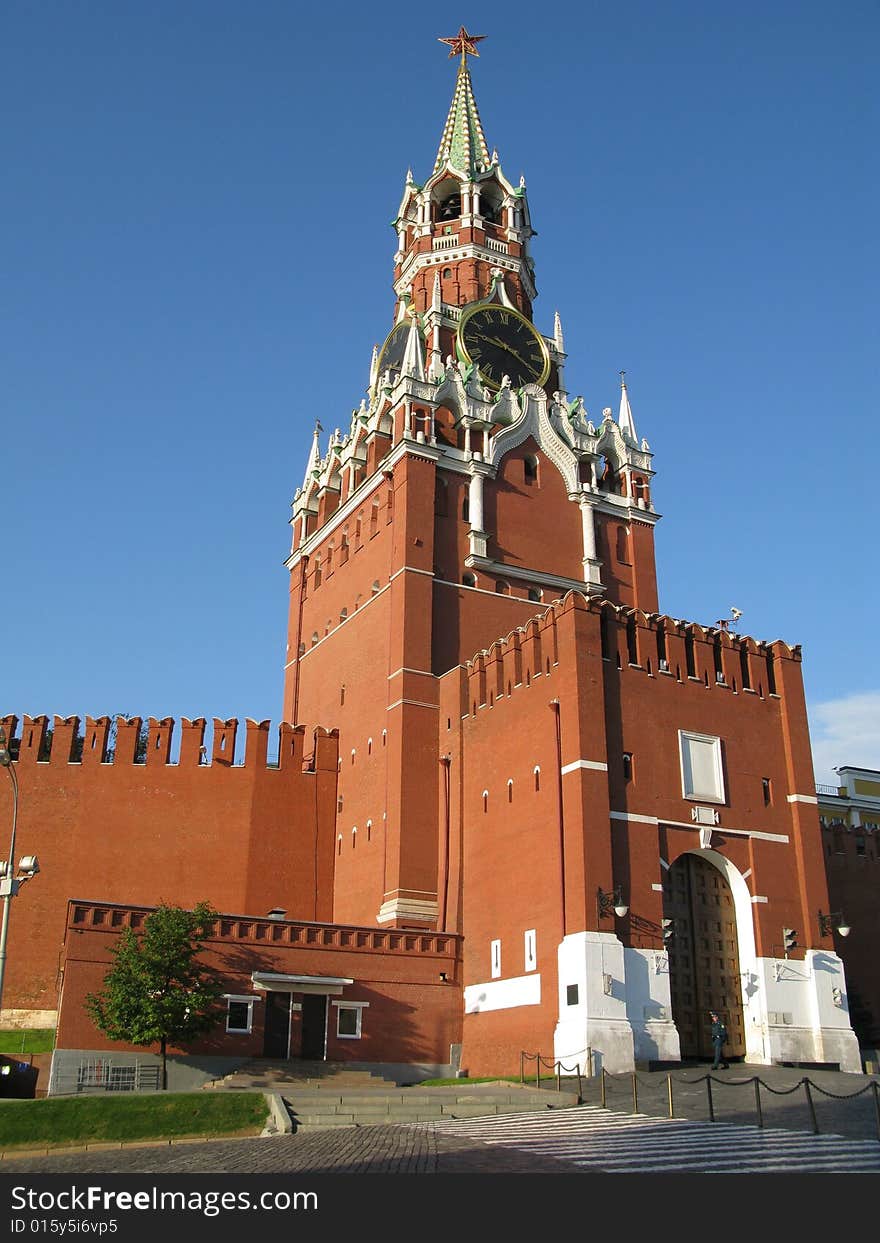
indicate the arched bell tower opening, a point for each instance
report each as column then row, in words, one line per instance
column 704, row 960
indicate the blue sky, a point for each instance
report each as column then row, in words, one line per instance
column 197, row 263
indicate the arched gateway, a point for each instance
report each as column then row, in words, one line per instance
column 704, row 965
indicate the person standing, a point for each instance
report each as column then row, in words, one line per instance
column 719, row 1039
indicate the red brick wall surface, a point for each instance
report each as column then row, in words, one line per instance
column 247, row 838
column 412, row 1015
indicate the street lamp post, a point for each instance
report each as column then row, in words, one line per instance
column 28, row 865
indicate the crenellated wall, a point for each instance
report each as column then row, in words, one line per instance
column 248, row 836
column 566, row 776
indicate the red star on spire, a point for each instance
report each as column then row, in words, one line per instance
column 463, row 44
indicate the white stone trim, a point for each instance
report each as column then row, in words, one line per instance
column 535, row 605
column 758, row 898
column 331, row 633
column 403, row 669
column 802, row 798
column 523, row 990
column 411, row 569
column 525, row 574
column 413, row 703
column 595, row 765
column 688, row 790
column 336, row 519
column 683, row 824
column 406, row 908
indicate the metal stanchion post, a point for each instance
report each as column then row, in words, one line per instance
column 709, row 1095
column 669, row 1094
column 758, row 1109
column 811, row 1106
column 558, row 1076
column 522, row 1066
column 602, row 1086
column 635, row 1093
column 876, row 1091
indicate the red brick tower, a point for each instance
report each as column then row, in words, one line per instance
column 467, row 492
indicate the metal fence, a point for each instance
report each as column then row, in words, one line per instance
column 96, row 1075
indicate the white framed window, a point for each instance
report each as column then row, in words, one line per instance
column 496, row 959
column 702, row 773
column 239, row 1014
column 349, row 1017
column 531, row 950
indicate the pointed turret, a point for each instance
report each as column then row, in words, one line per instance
column 558, row 338
column 463, row 145
column 413, row 363
column 625, row 418
column 314, row 461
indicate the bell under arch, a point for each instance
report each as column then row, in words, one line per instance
column 712, row 942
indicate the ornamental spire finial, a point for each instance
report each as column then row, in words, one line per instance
column 463, row 44
column 463, row 145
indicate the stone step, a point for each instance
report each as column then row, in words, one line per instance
column 381, row 1101
column 433, row 1104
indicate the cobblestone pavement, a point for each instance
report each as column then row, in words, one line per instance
column 428, row 1149
column 783, row 1098
column 340, row 1150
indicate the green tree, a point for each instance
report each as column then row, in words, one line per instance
column 156, row 990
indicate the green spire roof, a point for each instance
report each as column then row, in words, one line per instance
column 463, row 143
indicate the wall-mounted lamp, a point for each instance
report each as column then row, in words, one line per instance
column 833, row 923
column 608, row 902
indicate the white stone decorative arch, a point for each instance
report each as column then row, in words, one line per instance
column 535, row 422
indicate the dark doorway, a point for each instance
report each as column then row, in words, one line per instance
column 276, row 1033
column 314, row 1026
column 703, row 956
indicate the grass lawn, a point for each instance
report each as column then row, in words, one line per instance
column 102, row 1119
column 27, row 1040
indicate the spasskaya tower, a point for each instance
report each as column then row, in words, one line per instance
column 467, row 493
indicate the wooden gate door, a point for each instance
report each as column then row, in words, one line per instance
column 703, row 956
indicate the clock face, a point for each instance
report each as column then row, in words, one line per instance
column 392, row 352
column 501, row 342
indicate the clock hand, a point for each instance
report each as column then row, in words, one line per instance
column 507, row 350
